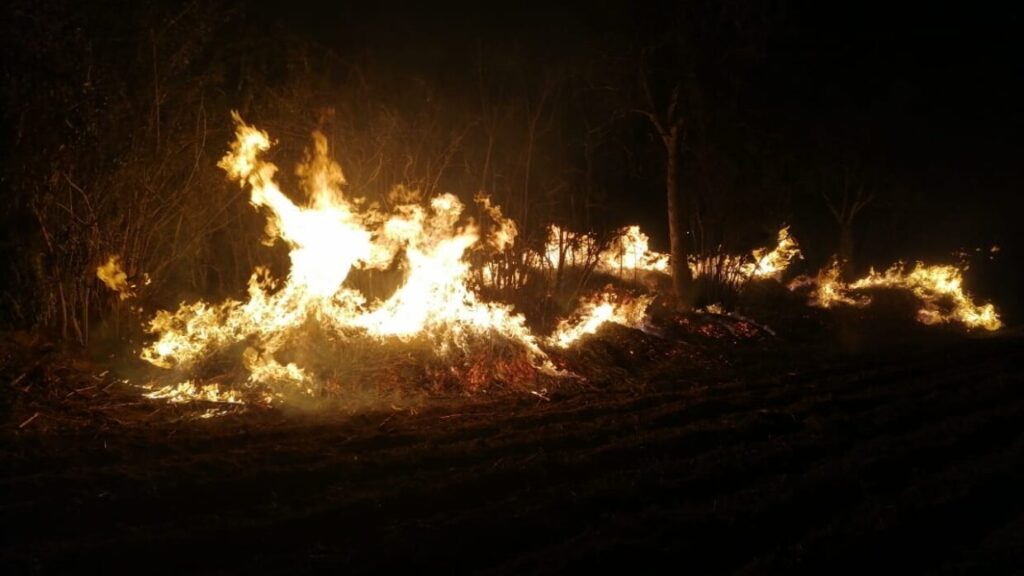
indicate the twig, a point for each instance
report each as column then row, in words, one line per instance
column 539, row 395
column 29, row 421
column 79, row 391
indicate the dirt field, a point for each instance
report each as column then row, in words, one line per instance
column 899, row 460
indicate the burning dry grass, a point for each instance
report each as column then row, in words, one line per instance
column 289, row 332
column 312, row 335
column 605, row 307
column 938, row 289
column 356, row 372
column 313, row 338
column 628, row 255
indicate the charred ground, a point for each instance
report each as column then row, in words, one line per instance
column 719, row 449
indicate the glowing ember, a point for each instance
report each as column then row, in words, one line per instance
column 604, row 307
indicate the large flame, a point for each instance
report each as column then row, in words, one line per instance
column 328, row 236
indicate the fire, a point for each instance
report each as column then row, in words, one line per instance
column 772, row 263
column 435, row 296
column 115, row 277
column 629, row 254
column 328, row 236
column 761, row 263
column 604, row 307
column 570, row 249
column 934, row 286
column 827, row 288
column 626, row 255
column 939, row 288
column 187, row 391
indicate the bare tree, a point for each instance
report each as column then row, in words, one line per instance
column 692, row 74
column 845, row 204
column 668, row 122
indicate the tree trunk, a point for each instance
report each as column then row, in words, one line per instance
column 682, row 279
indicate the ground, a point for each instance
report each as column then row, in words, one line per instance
column 801, row 457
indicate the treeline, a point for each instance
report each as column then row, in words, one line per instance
column 117, row 114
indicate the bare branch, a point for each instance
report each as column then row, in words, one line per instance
column 673, row 105
column 861, row 200
column 831, row 206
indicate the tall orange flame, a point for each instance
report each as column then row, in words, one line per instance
column 328, row 236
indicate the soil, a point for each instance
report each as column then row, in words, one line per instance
column 759, row 455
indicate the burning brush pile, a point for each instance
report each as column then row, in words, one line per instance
column 312, row 335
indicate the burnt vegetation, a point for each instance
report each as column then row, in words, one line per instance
column 734, row 429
